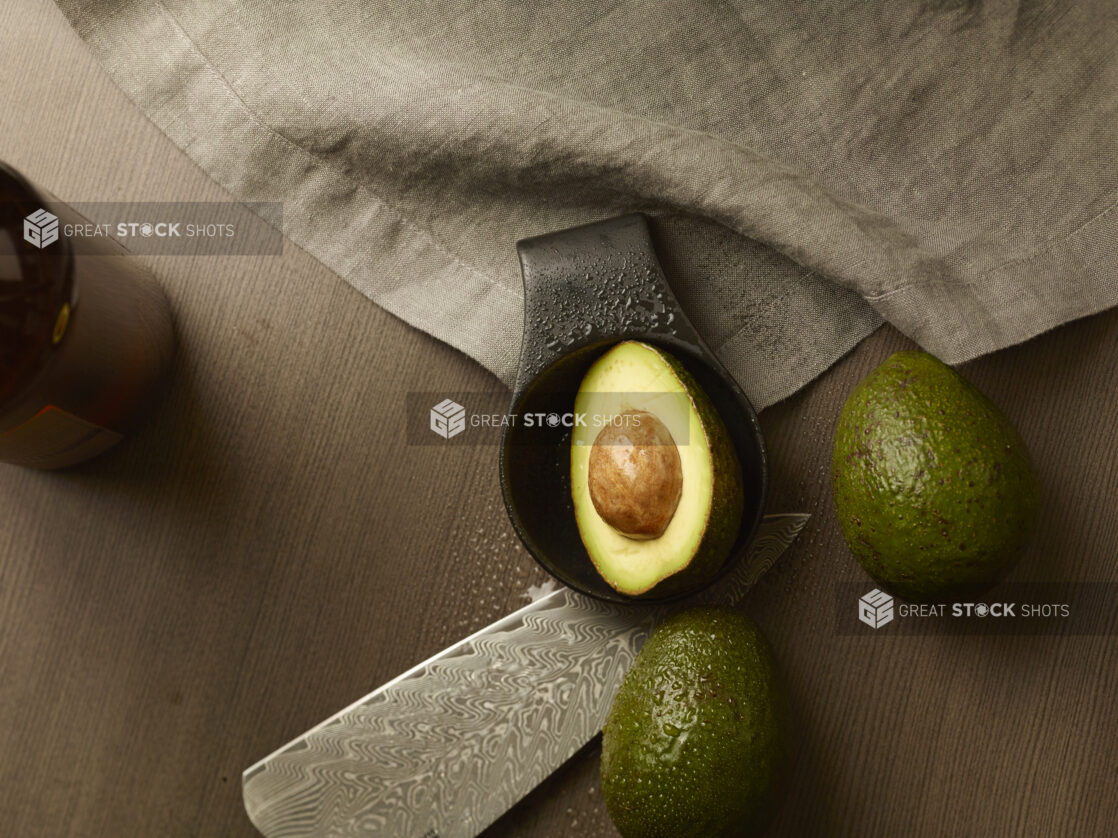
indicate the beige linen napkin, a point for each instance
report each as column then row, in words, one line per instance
column 814, row 167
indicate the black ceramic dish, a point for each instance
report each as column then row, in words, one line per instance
column 586, row 289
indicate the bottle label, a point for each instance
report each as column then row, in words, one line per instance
column 55, row 438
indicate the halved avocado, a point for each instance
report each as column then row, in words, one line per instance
column 649, row 519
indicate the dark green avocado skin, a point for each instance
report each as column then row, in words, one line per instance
column 695, row 743
column 933, row 487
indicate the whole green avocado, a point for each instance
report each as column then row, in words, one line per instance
column 695, row 742
column 933, row 487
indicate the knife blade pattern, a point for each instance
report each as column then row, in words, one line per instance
column 447, row 747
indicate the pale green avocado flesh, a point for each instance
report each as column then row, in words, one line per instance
column 695, row 745
column 634, row 376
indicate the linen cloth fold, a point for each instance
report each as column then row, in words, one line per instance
column 812, row 168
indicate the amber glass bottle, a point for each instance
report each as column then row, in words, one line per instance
column 86, row 337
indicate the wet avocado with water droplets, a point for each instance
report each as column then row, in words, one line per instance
column 933, row 486
column 695, row 743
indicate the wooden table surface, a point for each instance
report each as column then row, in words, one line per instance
column 268, row 549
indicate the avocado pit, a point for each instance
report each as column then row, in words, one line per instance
column 635, row 476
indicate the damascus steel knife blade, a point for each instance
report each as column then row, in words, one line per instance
column 449, row 746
